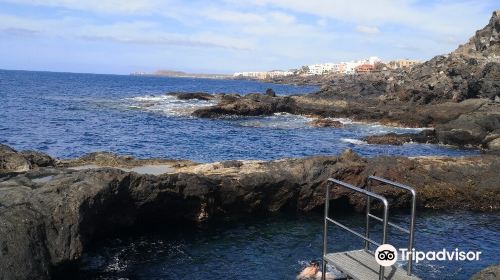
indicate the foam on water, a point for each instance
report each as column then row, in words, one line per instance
column 167, row 104
column 353, row 141
column 278, row 121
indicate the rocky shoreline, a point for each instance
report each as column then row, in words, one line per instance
column 456, row 94
column 51, row 211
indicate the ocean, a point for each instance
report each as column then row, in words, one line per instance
column 68, row 115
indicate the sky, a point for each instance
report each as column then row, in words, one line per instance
column 226, row 36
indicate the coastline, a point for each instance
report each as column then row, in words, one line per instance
column 51, row 212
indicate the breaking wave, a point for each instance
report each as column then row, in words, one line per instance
column 167, row 104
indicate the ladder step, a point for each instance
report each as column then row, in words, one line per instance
column 361, row 265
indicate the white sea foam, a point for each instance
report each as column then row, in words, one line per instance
column 278, row 121
column 397, row 128
column 344, row 121
column 167, row 104
column 353, row 141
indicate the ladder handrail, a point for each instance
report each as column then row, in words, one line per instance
column 327, row 219
column 411, row 231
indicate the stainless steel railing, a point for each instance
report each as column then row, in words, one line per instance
column 410, row 232
column 367, row 193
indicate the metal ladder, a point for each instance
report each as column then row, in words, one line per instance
column 361, row 264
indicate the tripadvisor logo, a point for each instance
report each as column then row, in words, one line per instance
column 387, row 255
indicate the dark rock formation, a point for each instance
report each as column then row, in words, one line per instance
column 322, row 122
column 37, row 159
column 388, row 139
column 49, row 216
column 486, row 42
column 192, row 95
column 489, row 273
column 13, row 161
column 425, row 136
column 250, row 105
column 270, row 92
column 479, row 127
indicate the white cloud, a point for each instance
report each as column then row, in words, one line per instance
column 101, row 6
column 282, row 17
column 136, row 32
column 367, row 29
column 231, row 16
column 322, row 22
column 448, row 17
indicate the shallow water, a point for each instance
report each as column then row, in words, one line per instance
column 277, row 247
column 67, row 115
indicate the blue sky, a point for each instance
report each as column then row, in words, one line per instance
column 225, row 36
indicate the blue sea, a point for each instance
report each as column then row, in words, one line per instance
column 68, row 115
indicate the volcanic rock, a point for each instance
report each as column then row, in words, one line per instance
column 250, row 105
column 489, row 273
column 192, row 95
column 322, row 122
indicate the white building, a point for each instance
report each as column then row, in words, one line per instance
column 320, row 69
column 350, row 66
column 314, row 69
column 278, row 73
column 263, row 74
column 340, row 68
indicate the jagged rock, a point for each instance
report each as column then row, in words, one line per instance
column 486, row 41
column 355, row 86
column 472, row 128
column 23, row 248
column 321, row 122
column 494, row 145
column 270, row 92
column 249, row 105
column 489, row 273
column 12, row 161
column 388, row 139
column 425, row 136
column 192, row 95
column 38, row 159
column 486, row 83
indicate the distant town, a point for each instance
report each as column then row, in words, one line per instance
column 371, row 64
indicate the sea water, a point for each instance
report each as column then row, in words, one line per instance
column 68, row 115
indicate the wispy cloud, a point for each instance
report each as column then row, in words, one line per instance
column 132, row 32
column 99, row 6
column 14, row 31
column 367, row 29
